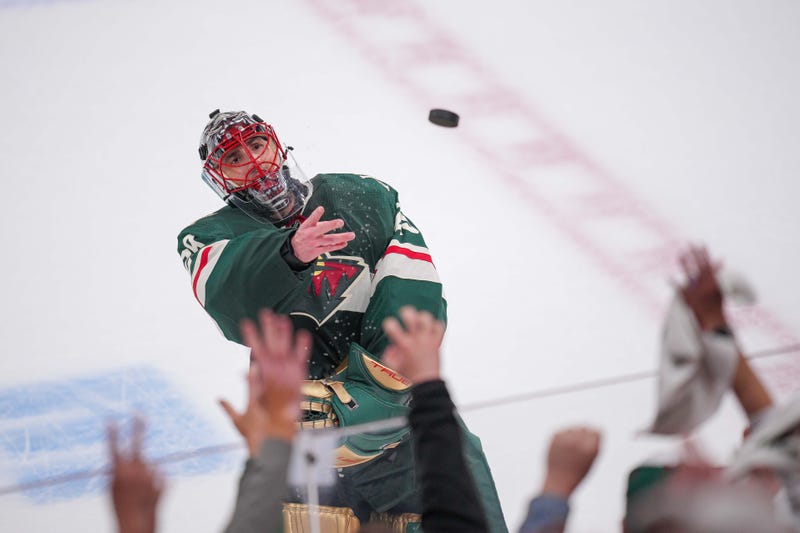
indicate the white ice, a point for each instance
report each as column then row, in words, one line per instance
column 684, row 114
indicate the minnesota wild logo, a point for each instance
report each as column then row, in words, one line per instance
column 338, row 283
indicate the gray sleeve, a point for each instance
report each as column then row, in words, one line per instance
column 262, row 488
column 547, row 513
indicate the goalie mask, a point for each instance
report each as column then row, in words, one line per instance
column 245, row 164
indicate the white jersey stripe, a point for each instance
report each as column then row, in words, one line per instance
column 207, row 258
column 401, row 266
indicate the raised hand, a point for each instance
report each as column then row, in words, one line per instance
column 282, row 359
column 314, row 238
column 414, row 351
column 135, row 487
column 280, row 364
column 254, row 422
column 572, row 453
column 701, row 290
column 704, row 297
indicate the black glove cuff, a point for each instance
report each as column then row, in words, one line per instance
column 287, row 253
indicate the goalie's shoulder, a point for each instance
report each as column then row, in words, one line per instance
column 220, row 226
column 225, row 223
column 209, row 226
column 353, row 182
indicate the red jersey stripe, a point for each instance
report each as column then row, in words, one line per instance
column 408, row 253
column 200, row 267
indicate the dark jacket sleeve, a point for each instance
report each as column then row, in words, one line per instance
column 449, row 497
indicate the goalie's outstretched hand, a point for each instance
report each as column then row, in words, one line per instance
column 314, row 238
column 414, row 351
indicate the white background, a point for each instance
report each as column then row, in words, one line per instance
column 689, row 107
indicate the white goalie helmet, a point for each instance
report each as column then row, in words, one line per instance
column 246, row 165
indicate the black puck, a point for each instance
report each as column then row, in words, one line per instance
column 443, row 117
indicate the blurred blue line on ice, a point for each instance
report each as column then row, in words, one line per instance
column 49, row 429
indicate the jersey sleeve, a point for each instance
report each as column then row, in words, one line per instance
column 233, row 277
column 404, row 275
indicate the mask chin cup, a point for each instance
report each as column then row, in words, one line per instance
column 283, row 206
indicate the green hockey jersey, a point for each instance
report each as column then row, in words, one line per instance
column 236, row 269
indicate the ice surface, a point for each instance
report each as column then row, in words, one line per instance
column 594, row 140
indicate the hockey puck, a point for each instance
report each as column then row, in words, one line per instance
column 443, row 117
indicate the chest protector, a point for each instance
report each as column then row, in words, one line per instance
column 378, row 466
column 361, row 390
